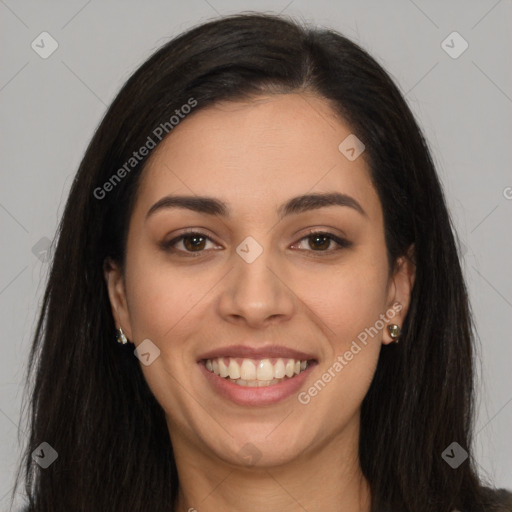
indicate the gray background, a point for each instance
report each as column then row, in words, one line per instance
column 50, row 108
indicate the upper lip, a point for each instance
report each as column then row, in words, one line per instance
column 260, row 352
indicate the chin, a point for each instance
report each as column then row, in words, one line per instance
column 262, row 447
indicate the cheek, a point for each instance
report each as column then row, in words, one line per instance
column 350, row 306
column 161, row 297
column 349, row 300
column 165, row 305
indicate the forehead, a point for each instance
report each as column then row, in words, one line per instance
column 257, row 152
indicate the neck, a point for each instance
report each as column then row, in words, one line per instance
column 329, row 478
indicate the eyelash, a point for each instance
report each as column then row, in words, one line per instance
column 168, row 246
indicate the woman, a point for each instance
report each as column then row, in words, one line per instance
column 258, row 223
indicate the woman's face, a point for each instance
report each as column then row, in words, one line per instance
column 252, row 293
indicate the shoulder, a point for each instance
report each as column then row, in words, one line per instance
column 498, row 500
column 492, row 500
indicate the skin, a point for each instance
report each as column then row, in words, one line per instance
column 255, row 155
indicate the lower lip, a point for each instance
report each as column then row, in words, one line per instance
column 254, row 396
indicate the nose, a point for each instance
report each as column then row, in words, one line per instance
column 256, row 294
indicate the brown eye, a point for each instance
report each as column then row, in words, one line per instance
column 194, row 242
column 187, row 243
column 321, row 242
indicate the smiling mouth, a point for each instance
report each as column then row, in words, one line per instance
column 256, row 372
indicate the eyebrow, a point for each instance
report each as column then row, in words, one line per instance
column 299, row 204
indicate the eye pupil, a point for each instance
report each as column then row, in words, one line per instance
column 197, row 242
column 315, row 238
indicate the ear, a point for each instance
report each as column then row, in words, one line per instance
column 116, row 291
column 399, row 294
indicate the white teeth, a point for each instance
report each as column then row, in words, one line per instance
column 279, row 370
column 265, row 370
column 223, row 369
column 247, row 370
column 234, row 369
column 255, row 373
column 289, row 369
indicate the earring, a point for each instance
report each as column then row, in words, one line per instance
column 394, row 332
column 120, row 336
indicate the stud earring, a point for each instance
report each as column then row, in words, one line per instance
column 394, row 332
column 121, row 337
